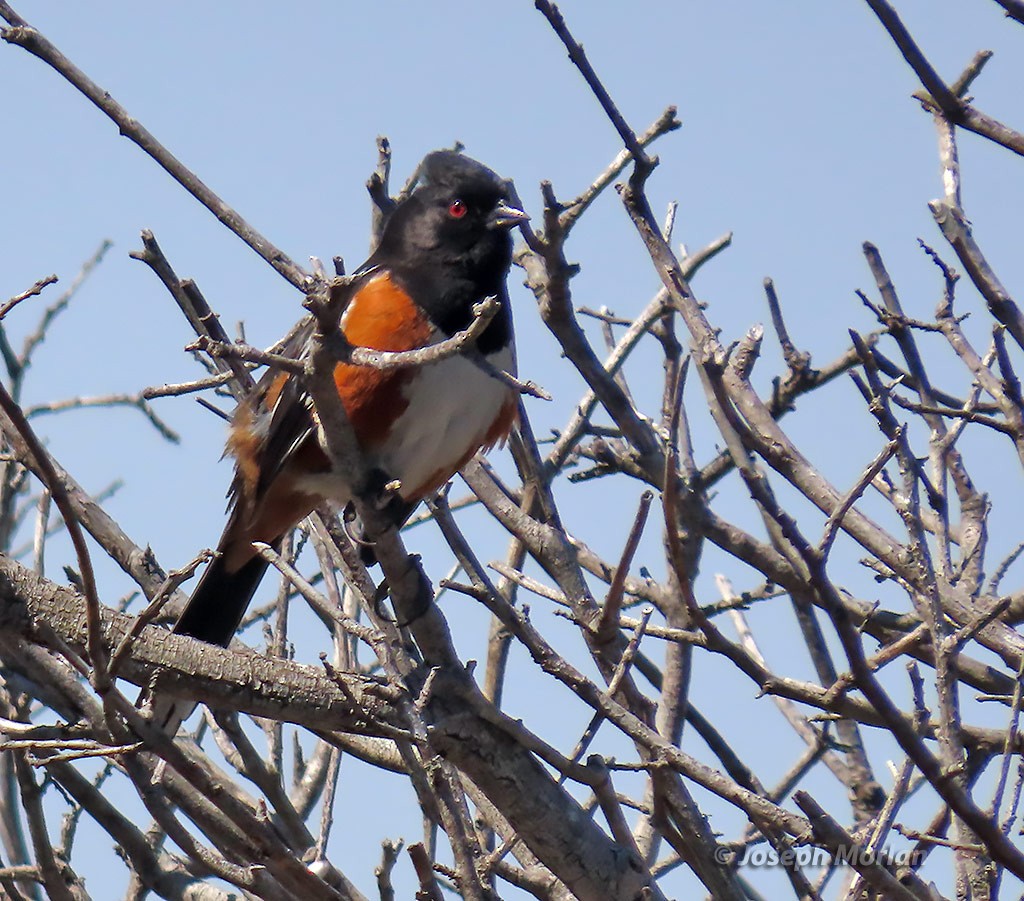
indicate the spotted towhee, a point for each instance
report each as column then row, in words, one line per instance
column 444, row 248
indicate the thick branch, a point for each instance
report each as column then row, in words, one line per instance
column 38, row 610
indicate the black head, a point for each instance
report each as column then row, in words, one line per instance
column 455, row 225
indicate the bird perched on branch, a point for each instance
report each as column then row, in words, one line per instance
column 444, row 248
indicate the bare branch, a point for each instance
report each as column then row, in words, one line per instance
column 35, row 290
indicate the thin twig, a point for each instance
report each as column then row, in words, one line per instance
column 97, row 652
column 35, row 290
column 27, row 37
column 609, row 620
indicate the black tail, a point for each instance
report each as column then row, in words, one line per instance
column 219, row 601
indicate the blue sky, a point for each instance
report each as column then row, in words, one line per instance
column 798, row 135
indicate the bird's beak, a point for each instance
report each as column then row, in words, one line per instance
column 505, row 216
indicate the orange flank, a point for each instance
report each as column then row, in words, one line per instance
column 382, row 317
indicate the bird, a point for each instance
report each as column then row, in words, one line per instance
column 445, row 248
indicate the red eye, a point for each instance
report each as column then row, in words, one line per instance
column 457, row 209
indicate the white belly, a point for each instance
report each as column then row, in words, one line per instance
column 452, row 406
